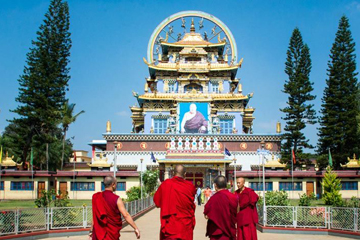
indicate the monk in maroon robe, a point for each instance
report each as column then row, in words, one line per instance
column 175, row 197
column 107, row 210
column 247, row 217
column 221, row 211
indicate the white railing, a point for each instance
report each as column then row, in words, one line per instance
column 339, row 218
column 18, row 221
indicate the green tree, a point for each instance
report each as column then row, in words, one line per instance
column 150, row 178
column 68, row 118
column 299, row 111
column 44, row 81
column 340, row 108
column 331, row 186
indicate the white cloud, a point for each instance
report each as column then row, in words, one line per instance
column 353, row 6
column 123, row 114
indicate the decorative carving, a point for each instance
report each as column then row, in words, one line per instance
column 180, row 144
column 143, row 145
column 243, row 146
column 187, row 143
column 268, row 146
column 194, row 144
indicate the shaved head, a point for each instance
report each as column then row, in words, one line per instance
column 220, row 182
column 108, row 181
column 240, row 182
column 179, row 170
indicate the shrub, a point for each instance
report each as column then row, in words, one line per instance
column 150, row 178
column 305, row 200
column 133, row 194
column 332, row 186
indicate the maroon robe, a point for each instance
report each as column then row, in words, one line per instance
column 221, row 212
column 106, row 216
column 194, row 124
column 247, row 217
column 175, row 197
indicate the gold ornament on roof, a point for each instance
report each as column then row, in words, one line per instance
column 278, row 127
column 352, row 163
column 108, row 126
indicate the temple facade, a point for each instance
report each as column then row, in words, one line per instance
column 192, row 107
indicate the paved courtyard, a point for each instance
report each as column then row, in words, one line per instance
column 149, row 226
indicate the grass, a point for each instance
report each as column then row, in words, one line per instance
column 318, row 202
column 13, row 204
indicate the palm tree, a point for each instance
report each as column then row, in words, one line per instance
column 68, row 118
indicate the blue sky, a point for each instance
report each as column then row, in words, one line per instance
column 110, row 39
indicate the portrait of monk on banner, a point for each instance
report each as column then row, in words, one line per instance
column 193, row 117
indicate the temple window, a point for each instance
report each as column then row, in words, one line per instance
column 2, row 185
column 160, row 125
column 191, row 86
column 258, row 186
column 226, row 126
column 171, row 88
column 22, row 186
column 215, row 88
column 287, row 186
column 121, row 186
column 345, row 185
column 82, row 186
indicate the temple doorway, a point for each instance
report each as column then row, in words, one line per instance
column 197, row 178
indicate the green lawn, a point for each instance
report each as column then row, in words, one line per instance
column 11, row 204
column 319, row 202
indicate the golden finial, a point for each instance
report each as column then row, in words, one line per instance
column 240, row 88
column 108, row 126
column 278, row 127
column 192, row 28
column 146, row 88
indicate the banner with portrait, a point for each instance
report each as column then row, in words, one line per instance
column 193, row 117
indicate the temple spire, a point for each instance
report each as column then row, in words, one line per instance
column 192, row 28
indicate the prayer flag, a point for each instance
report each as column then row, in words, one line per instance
column 293, row 155
column 153, row 157
column 227, row 152
column 330, row 159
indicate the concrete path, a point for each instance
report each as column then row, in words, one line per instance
column 149, row 225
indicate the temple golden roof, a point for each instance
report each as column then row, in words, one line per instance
column 9, row 162
column 274, row 163
column 206, row 97
column 100, row 162
column 193, row 67
column 193, row 39
column 352, row 163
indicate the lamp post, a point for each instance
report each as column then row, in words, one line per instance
column 234, row 174
column 141, row 181
column 262, row 152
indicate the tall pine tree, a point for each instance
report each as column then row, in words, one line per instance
column 338, row 122
column 299, row 111
column 44, row 82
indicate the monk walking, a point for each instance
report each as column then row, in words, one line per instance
column 106, row 208
column 175, row 197
column 247, row 217
column 221, row 211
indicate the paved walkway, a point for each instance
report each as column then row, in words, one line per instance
column 149, row 225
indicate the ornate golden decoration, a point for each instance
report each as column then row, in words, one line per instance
column 243, row 146
column 268, row 146
column 119, row 145
column 108, row 127
column 143, row 145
